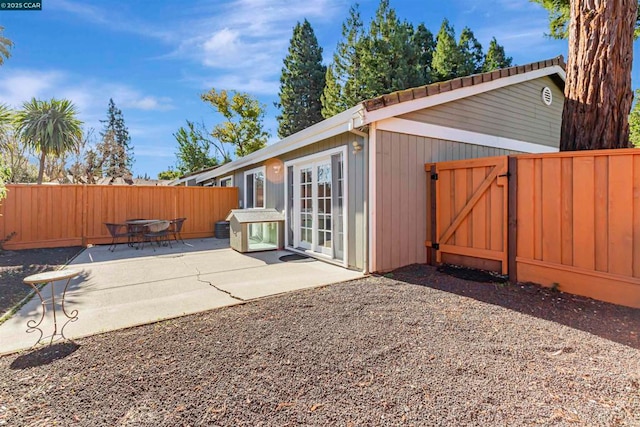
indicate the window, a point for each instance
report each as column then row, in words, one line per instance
column 254, row 191
column 225, row 182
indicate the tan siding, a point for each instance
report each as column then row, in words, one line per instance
column 355, row 191
column 515, row 112
column 401, row 202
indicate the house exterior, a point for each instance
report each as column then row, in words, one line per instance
column 353, row 187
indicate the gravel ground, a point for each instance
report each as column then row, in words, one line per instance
column 395, row 350
column 16, row 265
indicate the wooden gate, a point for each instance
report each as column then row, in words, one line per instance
column 469, row 213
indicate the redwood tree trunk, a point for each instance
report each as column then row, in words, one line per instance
column 598, row 93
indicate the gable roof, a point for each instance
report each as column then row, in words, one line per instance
column 397, row 103
column 460, row 82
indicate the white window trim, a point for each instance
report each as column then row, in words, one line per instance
column 226, row 178
column 262, row 169
column 345, row 216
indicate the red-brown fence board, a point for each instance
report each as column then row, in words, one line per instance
column 68, row 215
column 576, row 220
column 578, row 223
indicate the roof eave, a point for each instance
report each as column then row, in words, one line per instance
column 463, row 92
column 340, row 123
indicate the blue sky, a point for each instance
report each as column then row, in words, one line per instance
column 155, row 58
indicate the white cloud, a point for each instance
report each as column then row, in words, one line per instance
column 111, row 17
column 90, row 96
column 245, row 41
column 21, row 85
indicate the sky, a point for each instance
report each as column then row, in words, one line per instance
column 155, row 58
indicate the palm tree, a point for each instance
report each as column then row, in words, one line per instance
column 5, row 45
column 49, row 127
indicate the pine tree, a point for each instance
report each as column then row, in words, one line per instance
column 471, row 55
column 118, row 159
column 495, row 57
column 446, row 56
column 301, row 83
column 425, row 45
column 331, row 99
column 389, row 58
column 346, row 67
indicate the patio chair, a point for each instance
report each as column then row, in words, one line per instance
column 117, row 231
column 156, row 231
column 175, row 228
column 135, row 231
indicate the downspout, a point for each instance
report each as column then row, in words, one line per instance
column 365, row 154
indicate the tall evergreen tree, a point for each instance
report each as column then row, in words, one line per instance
column 301, row 83
column 446, row 56
column 389, row 59
column 346, row 67
column 331, row 99
column 117, row 160
column 425, row 45
column 495, row 57
column 471, row 55
column 598, row 93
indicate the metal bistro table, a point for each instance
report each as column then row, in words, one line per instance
column 51, row 277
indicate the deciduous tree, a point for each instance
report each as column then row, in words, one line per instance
column 243, row 128
column 193, row 149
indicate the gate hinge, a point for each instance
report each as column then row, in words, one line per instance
column 434, row 176
column 435, row 246
column 508, row 175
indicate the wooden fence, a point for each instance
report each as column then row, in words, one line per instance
column 573, row 221
column 44, row 216
column 578, row 223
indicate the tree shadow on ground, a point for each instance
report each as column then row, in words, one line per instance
column 613, row 322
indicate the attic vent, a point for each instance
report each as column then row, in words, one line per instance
column 547, row 96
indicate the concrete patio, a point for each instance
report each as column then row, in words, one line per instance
column 132, row 287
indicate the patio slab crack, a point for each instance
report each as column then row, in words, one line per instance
column 217, row 288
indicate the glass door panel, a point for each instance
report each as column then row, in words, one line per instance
column 306, row 208
column 323, row 202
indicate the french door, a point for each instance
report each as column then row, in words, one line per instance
column 318, row 205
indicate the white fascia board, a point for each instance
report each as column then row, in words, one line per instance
column 455, row 94
column 427, row 130
column 340, row 123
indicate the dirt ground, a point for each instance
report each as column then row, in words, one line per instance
column 16, row 265
column 417, row 347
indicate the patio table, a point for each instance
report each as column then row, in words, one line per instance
column 135, row 228
column 50, row 277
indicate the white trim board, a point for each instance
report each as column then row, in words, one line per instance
column 336, row 125
column 427, row 130
column 455, row 94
